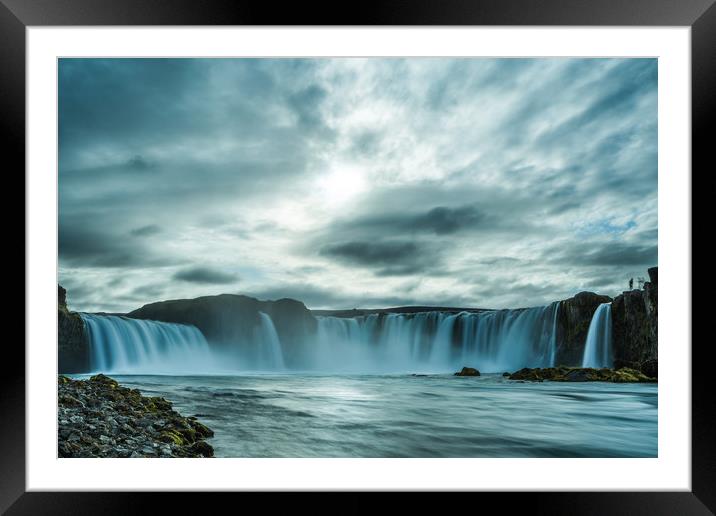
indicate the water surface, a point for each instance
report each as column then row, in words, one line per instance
column 311, row 415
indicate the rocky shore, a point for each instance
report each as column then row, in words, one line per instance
column 99, row 418
column 580, row 374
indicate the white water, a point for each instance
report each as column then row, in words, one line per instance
column 492, row 341
column 598, row 348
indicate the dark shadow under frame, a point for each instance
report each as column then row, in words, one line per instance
column 700, row 15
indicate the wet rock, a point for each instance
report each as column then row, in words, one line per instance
column 468, row 371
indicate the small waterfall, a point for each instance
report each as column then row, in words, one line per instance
column 124, row 345
column 598, row 348
column 270, row 354
column 492, row 341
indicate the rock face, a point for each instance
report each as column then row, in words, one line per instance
column 581, row 374
column 228, row 318
column 573, row 320
column 99, row 418
column 635, row 325
column 73, row 346
column 468, row 371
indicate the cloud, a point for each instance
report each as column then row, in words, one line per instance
column 467, row 181
column 205, row 275
column 151, row 229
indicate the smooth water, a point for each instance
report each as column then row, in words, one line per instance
column 598, row 347
column 306, row 415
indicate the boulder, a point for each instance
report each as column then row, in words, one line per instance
column 468, row 371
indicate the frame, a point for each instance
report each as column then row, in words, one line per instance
column 700, row 15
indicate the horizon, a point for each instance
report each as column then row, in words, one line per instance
column 355, row 182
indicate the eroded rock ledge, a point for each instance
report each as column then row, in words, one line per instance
column 580, row 374
column 100, row 418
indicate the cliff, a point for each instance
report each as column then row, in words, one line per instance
column 573, row 320
column 635, row 327
column 72, row 342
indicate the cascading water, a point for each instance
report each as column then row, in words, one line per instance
column 269, row 354
column 124, row 345
column 598, row 348
column 492, row 341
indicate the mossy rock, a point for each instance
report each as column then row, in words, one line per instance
column 104, row 380
column 201, row 448
column 172, row 436
column 201, row 429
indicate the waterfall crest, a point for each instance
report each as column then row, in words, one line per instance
column 492, row 341
column 597, row 350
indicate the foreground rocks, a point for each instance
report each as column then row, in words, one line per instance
column 100, row 418
column 581, row 374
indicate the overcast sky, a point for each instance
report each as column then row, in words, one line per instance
column 355, row 182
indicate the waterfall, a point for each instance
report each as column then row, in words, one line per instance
column 598, row 348
column 491, row 340
column 433, row 341
column 124, row 345
column 270, row 354
column 136, row 346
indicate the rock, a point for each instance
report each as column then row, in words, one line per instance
column 72, row 342
column 650, row 368
column 125, row 424
column 573, row 320
column 202, row 448
column 635, row 324
column 580, row 374
column 653, row 275
column 505, row 374
column 468, row 371
column 620, row 364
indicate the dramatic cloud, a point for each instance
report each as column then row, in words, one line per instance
column 205, row 275
column 355, row 182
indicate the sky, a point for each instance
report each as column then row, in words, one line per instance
column 343, row 183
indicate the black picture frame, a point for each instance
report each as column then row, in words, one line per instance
column 700, row 15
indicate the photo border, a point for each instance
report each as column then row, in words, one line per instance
column 16, row 15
